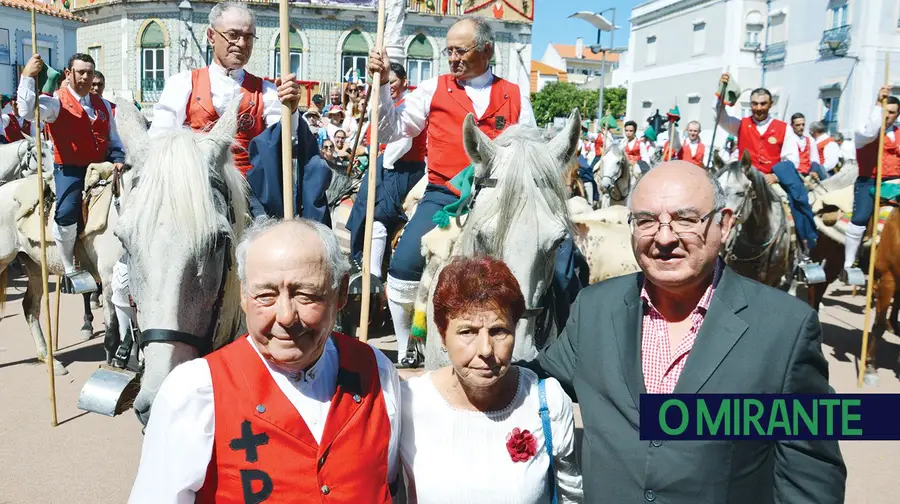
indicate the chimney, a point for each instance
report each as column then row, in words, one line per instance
column 579, row 48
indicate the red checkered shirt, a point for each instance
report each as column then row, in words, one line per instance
column 661, row 366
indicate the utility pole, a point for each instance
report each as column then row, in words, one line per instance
column 612, row 37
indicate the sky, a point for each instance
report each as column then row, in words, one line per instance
column 551, row 23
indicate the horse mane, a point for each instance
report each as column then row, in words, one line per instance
column 175, row 181
column 525, row 172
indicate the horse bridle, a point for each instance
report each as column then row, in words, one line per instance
column 23, row 160
column 615, row 181
column 468, row 203
column 202, row 344
column 739, row 219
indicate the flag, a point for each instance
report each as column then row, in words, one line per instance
column 48, row 80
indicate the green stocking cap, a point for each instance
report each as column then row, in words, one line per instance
column 463, row 183
column 48, row 80
column 610, row 122
column 650, row 133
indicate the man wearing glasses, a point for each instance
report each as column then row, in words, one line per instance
column 689, row 324
column 437, row 108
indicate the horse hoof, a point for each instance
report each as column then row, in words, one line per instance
column 85, row 335
column 870, row 379
column 59, row 369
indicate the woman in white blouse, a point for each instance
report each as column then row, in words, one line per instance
column 472, row 431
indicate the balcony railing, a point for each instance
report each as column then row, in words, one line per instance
column 751, row 45
column 774, row 53
column 835, row 42
column 151, row 89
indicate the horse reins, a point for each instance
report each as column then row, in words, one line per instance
column 738, row 227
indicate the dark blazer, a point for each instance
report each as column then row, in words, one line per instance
column 754, row 339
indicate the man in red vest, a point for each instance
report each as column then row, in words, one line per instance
column 866, row 140
column 829, row 150
column 773, row 152
column 291, row 412
column 13, row 127
column 83, row 131
column 692, row 149
column 438, row 107
column 634, row 148
column 807, row 151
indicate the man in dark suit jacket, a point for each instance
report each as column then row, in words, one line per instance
column 690, row 324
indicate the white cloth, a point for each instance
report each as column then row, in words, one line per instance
column 179, row 438
column 398, row 148
column 645, row 152
column 4, row 122
column 732, row 124
column 868, row 131
column 49, row 106
column 848, row 150
column 456, row 456
column 832, row 153
column 409, row 118
column 171, row 110
column 801, row 144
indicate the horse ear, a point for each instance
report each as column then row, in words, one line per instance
column 222, row 135
column 718, row 162
column 132, row 129
column 29, row 139
column 478, row 146
column 746, row 164
column 564, row 146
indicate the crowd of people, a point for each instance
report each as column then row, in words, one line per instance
column 293, row 409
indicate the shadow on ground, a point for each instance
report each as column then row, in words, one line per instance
column 88, row 353
column 846, row 344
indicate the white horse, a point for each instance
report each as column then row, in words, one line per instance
column 615, row 177
column 519, row 216
column 187, row 212
column 19, row 159
column 97, row 252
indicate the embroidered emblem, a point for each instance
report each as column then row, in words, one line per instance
column 246, row 122
column 101, row 116
column 773, row 140
column 499, row 123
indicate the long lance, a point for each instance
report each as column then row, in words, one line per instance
column 287, row 157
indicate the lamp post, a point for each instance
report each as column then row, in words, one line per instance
column 602, row 25
column 187, row 14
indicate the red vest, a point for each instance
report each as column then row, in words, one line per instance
column 805, row 163
column 416, row 153
column 765, row 149
column 202, row 116
column 633, row 153
column 449, row 108
column 263, row 450
column 77, row 140
column 685, row 153
column 821, row 147
column 867, row 158
column 14, row 131
column 598, row 145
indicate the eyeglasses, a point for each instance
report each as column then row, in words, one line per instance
column 233, row 37
column 458, row 51
column 328, row 147
column 352, row 90
column 681, row 226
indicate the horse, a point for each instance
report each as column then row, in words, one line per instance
column 98, row 252
column 519, row 215
column 616, row 177
column 760, row 245
column 19, row 159
column 179, row 230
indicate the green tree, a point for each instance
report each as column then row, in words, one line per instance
column 557, row 99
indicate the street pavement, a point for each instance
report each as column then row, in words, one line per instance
column 92, row 459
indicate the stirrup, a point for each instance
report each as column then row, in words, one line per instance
column 410, row 361
column 78, row 282
column 853, row 276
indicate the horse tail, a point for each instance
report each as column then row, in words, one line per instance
column 4, row 278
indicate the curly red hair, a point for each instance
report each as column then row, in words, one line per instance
column 479, row 282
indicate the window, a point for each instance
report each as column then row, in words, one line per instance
column 153, row 62
column 296, row 45
column 354, row 56
column 838, row 14
column 419, row 61
column 94, row 53
column 699, row 37
column 831, row 104
column 651, row 50
column 209, row 54
column 753, row 27
column 45, row 52
column 778, row 28
column 745, row 109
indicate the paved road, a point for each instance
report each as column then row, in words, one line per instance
column 93, row 459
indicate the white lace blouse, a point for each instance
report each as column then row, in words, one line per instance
column 457, row 456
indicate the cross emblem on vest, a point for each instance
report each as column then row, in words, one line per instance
column 249, row 442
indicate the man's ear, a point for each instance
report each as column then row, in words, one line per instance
column 727, row 224
column 343, row 290
column 244, row 297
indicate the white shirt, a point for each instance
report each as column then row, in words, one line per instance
column 799, row 141
column 868, row 131
column 409, row 118
column 455, row 456
column 645, row 152
column 170, row 111
column 832, row 153
column 179, row 438
column 49, row 106
column 848, row 150
column 398, row 148
column 731, row 124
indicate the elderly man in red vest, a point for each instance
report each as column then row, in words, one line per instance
column 83, row 132
column 775, row 153
column 292, row 412
column 807, row 150
column 692, row 149
column 866, row 140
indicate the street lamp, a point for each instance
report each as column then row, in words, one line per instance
column 187, row 13
column 602, row 25
column 187, row 10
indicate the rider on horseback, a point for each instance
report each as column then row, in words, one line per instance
column 775, row 153
column 83, row 132
column 635, row 149
column 867, row 157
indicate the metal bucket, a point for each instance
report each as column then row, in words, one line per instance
column 109, row 391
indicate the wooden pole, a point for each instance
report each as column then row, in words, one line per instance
column 44, row 274
column 359, row 134
column 287, row 151
column 871, row 280
column 370, row 200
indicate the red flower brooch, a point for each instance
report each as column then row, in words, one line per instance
column 521, row 445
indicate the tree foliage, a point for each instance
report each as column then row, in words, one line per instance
column 557, row 99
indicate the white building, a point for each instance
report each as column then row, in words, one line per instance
column 808, row 53
column 138, row 44
column 56, row 30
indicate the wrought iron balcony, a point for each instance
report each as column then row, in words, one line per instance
column 751, row 45
column 774, row 53
column 151, row 89
column 835, row 42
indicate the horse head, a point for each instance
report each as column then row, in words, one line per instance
column 188, row 209
column 745, row 187
column 613, row 166
column 29, row 156
column 520, row 213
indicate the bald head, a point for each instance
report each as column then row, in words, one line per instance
column 701, row 183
